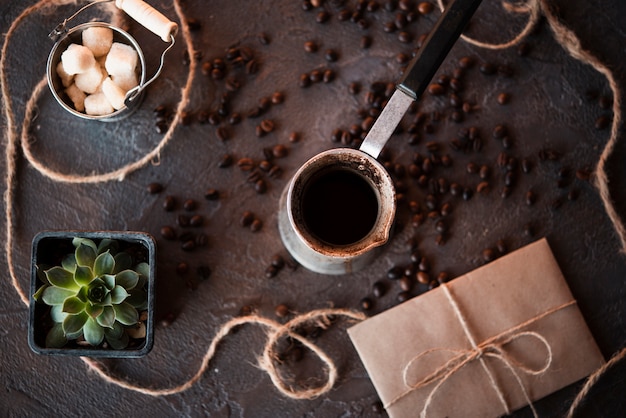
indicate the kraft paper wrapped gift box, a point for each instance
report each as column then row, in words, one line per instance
column 482, row 345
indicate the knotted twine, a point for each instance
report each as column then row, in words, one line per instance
column 534, row 8
column 493, row 347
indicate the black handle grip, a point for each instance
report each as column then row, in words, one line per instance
column 447, row 30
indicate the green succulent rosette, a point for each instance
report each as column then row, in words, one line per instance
column 95, row 293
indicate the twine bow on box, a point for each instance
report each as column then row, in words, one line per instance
column 493, row 347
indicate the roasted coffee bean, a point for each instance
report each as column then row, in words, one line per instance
column 271, row 271
column 311, row 46
column 223, row 134
column 406, row 283
column 531, row 198
column 188, row 245
column 225, row 161
column 422, row 277
column 316, row 76
column 154, row 188
column 529, row 230
column 403, row 296
column 504, row 98
column 182, row 268
column 487, row 68
column 605, row 102
column 466, row 62
column 305, row 80
column 506, row 192
column 425, row 7
column 246, row 218
column 395, row 272
column 501, row 247
column 424, row 264
column 277, row 261
column 245, row 164
column 182, row 220
column 366, row 42
column 441, row 226
column 436, row 89
column 500, row 131
column 379, row 289
column 322, row 17
column 331, row 55
column 329, row 76
column 467, row 193
column 602, row 122
column 405, row 37
column 489, row 255
column 201, row 240
column 523, row 49
column 263, row 38
column 583, row 174
column 443, row 277
column 211, row 194
column 190, row 205
column 484, row 172
column 366, row 304
column 510, row 179
column 161, row 127
column 169, row 203
column 168, row 233
column 526, row 165
column 281, row 310
column 196, row 220
column 256, row 225
column 482, row 187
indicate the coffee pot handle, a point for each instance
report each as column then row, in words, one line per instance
column 149, row 17
column 420, row 72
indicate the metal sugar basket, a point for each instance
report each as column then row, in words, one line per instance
column 141, row 12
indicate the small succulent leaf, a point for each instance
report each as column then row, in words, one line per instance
column 94, row 310
column 76, row 242
column 39, row 292
column 83, row 275
column 143, row 269
column 56, row 337
column 55, row 295
column 82, row 294
column 62, row 278
column 57, row 314
column 85, row 255
column 107, row 244
column 93, row 332
column 107, row 300
column 73, row 305
column 107, row 318
column 74, row 323
column 116, row 331
column 138, row 298
column 118, row 294
column 69, row 262
column 104, row 264
column 119, row 343
column 127, row 279
column 126, row 314
column 41, row 274
column 109, row 281
column 123, row 261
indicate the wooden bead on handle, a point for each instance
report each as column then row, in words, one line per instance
column 148, row 17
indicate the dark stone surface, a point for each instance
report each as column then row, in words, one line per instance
column 549, row 109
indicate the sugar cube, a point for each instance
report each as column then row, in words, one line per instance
column 98, row 39
column 126, row 81
column 97, row 105
column 113, row 93
column 77, row 59
column 77, row 96
column 66, row 79
column 90, row 81
column 122, row 59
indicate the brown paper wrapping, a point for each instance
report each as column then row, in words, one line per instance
column 491, row 341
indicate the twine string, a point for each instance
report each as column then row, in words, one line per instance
column 275, row 333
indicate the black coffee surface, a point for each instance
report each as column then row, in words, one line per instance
column 339, row 207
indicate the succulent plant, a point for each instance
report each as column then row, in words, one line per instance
column 95, row 293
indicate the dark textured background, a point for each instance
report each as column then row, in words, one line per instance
column 550, row 108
